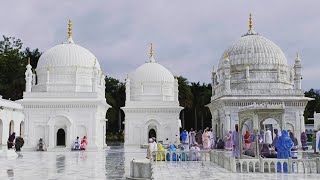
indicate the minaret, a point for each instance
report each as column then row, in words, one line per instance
column 128, row 89
column 214, row 80
column 297, row 72
column 48, row 79
column 94, row 76
column 227, row 72
column 28, row 76
column 70, row 32
column 151, row 54
column 176, row 89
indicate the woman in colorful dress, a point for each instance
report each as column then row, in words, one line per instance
column 246, row 138
column 304, row 139
column 206, row 139
column 84, row 143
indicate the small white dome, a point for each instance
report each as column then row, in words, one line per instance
column 151, row 72
column 67, row 54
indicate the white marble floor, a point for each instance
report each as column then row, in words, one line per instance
column 209, row 170
column 113, row 163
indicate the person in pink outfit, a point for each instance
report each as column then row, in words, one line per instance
column 84, row 143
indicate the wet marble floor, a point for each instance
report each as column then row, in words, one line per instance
column 113, row 163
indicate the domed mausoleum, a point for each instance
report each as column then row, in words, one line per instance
column 152, row 107
column 254, row 70
column 65, row 98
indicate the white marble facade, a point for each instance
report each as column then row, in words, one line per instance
column 65, row 98
column 11, row 120
column 152, row 107
column 255, row 70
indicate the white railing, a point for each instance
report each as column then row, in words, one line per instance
column 178, row 156
column 272, row 165
column 221, row 159
column 265, row 165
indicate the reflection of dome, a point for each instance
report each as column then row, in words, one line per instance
column 152, row 82
column 67, row 54
column 253, row 49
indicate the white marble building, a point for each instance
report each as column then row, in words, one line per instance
column 254, row 69
column 152, row 107
column 65, row 98
column 11, row 120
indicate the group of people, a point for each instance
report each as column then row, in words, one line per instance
column 280, row 143
column 15, row 142
column 156, row 151
column 203, row 138
column 80, row 145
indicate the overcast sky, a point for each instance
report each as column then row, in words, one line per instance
column 189, row 36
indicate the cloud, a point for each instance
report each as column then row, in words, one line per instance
column 189, row 36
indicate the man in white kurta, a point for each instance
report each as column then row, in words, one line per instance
column 317, row 141
column 268, row 139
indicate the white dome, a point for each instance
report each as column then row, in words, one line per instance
column 151, row 72
column 253, row 49
column 67, row 54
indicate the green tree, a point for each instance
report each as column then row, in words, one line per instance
column 312, row 106
column 115, row 96
column 13, row 61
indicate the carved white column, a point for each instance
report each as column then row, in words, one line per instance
column 51, row 136
column 227, row 121
column 247, row 73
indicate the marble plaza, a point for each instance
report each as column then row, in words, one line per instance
column 113, row 163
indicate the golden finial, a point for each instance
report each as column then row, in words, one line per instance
column 151, row 50
column 69, row 29
column 226, row 55
column 28, row 60
column 250, row 22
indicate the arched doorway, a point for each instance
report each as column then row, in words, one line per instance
column 22, row 129
column 61, row 137
column 11, row 127
column 1, row 131
column 152, row 133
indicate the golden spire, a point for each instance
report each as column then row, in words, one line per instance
column 69, row 29
column 250, row 22
column 226, row 55
column 28, row 60
column 151, row 50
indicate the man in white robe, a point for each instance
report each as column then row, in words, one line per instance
column 268, row 139
column 317, row 141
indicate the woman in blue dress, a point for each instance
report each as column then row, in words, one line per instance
column 284, row 145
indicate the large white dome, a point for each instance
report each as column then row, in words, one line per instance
column 253, row 49
column 67, row 54
column 151, row 72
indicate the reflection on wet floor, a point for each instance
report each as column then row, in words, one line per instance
column 112, row 163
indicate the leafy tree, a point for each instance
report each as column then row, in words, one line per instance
column 13, row 61
column 312, row 106
column 115, row 96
